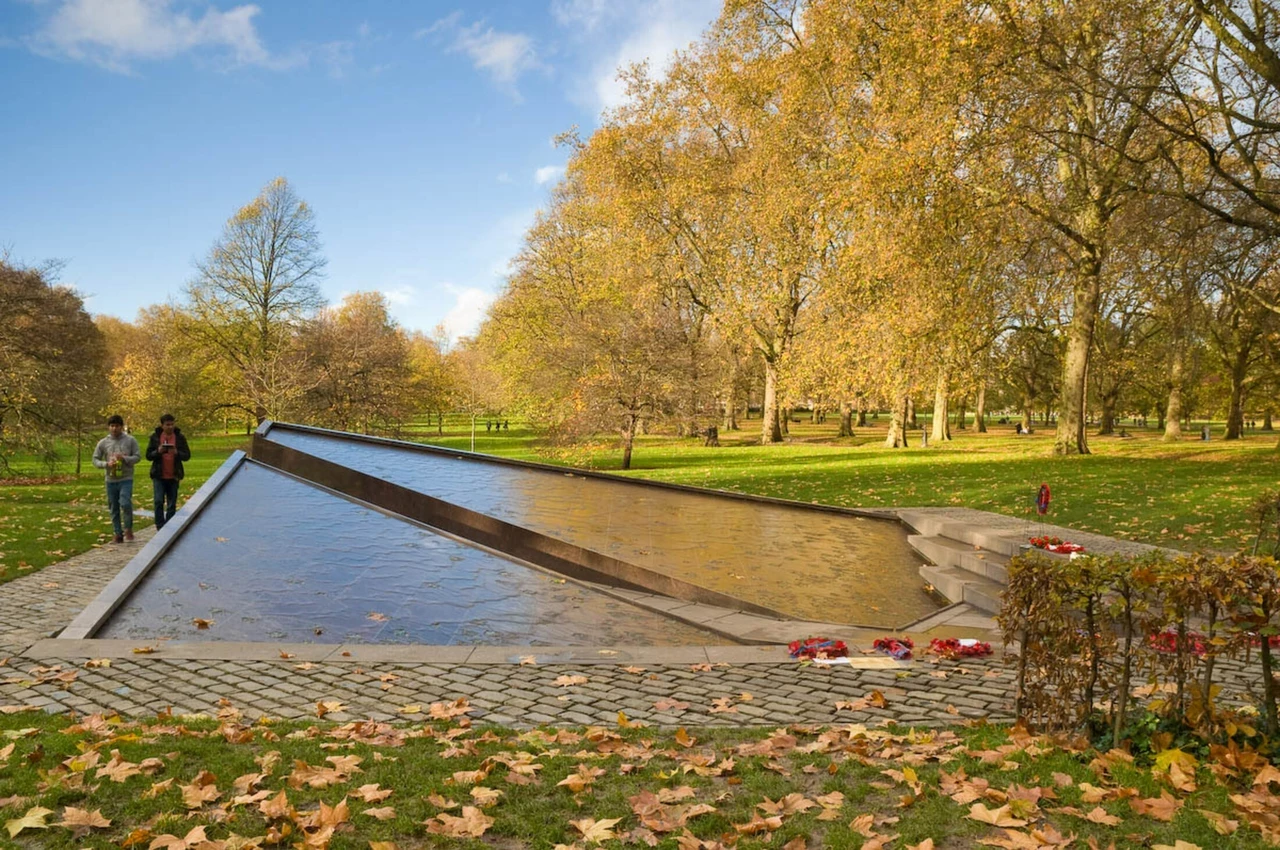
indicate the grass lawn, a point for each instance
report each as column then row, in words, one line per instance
column 173, row 783
column 52, row 519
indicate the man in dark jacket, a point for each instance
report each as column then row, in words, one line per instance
column 166, row 450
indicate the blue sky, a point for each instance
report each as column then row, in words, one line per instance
column 420, row 132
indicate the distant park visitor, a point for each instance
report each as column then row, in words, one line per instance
column 117, row 453
column 167, row 450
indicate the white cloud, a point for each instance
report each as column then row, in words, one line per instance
column 115, row 33
column 503, row 177
column 586, row 14
column 504, row 56
column 651, row 30
column 468, row 311
column 400, row 296
column 547, row 174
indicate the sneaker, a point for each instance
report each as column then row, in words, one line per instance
column 128, row 536
column 117, row 539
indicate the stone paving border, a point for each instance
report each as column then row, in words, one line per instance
column 764, row 687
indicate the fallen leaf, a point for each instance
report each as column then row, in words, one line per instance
column 1221, row 823
column 80, row 821
column 1161, row 808
column 586, row 776
column 568, row 681
column 158, row 788
column 277, row 808
column 372, row 793
column 447, row 710
column 1100, row 815
column 33, row 819
column 472, row 824
column 117, row 770
column 202, row 789
column 172, row 842
column 329, row 705
column 996, row 817
column 200, row 623
column 596, row 831
column 485, row 797
column 788, row 805
column 758, row 824
column 670, row 704
column 383, row 813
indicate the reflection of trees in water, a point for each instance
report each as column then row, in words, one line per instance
column 294, row 558
column 808, row 564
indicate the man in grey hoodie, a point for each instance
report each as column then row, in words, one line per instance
column 117, row 453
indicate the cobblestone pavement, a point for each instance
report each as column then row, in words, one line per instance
column 740, row 694
column 926, row 692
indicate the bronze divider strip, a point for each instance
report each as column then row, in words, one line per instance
column 515, row 541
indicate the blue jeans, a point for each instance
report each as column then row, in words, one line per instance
column 166, row 499
column 120, row 500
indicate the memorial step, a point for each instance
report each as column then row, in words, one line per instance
column 960, row 585
column 946, row 552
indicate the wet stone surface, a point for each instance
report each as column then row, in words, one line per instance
column 806, row 564
column 276, row 559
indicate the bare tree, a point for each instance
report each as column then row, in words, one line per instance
column 259, row 282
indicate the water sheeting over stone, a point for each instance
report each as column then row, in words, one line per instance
column 273, row 558
column 807, row 564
